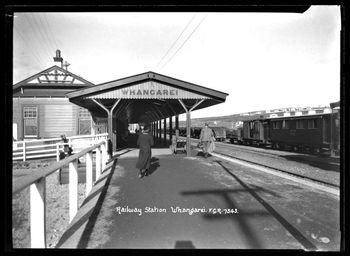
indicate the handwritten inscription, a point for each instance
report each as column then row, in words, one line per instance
column 174, row 210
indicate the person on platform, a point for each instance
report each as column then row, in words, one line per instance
column 206, row 138
column 174, row 141
column 145, row 142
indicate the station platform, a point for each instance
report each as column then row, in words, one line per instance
column 205, row 203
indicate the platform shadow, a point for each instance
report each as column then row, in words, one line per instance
column 154, row 165
column 241, row 216
column 90, row 211
column 291, row 229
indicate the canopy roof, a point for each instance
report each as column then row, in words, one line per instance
column 145, row 97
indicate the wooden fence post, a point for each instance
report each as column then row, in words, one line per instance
column 98, row 163
column 104, row 155
column 88, row 172
column 24, row 151
column 38, row 214
column 73, row 189
column 57, row 152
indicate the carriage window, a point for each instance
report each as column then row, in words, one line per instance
column 285, row 124
column 312, row 124
column 300, row 124
column 276, row 125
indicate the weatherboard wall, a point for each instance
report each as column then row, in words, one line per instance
column 56, row 116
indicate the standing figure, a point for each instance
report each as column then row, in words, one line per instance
column 144, row 141
column 174, row 141
column 67, row 149
column 206, row 137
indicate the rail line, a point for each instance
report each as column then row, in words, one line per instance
column 280, row 170
column 323, row 185
column 276, row 154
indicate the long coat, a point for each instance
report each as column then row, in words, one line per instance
column 144, row 141
column 206, row 134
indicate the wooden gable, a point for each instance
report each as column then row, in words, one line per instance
column 54, row 81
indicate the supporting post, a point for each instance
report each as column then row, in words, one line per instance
column 113, row 136
column 110, row 129
column 110, row 122
column 88, row 172
column 38, row 214
column 73, row 189
column 160, row 130
column 171, row 128
column 164, row 126
column 188, row 129
column 176, row 122
column 188, row 124
column 188, row 132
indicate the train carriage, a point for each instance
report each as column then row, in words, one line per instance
column 219, row 133
column 312, row 132
column 256, row 132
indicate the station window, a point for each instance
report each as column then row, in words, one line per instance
column 85, row 122
column 300, row 124
column 30, row 112
column 84, row 113
column 312, row 124
column 30, row 121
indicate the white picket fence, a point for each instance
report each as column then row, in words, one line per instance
column 37, row 184
column 36, row 149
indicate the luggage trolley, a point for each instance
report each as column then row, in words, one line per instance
column 181, row 145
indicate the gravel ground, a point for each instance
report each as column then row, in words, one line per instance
column 312, row 166
column 301, row 164
column 57, row 210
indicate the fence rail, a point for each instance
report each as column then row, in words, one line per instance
column 37, row 183
column 34, row 149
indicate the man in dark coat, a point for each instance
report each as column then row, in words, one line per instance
column 144, row 141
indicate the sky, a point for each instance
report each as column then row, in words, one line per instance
column 262, row 60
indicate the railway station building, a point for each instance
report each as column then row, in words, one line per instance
column 55, row 102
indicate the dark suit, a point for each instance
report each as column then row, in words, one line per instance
column 144, row 141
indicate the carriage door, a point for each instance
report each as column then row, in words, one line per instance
column 30, row 122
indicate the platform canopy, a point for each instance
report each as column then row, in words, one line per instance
column 145, row 97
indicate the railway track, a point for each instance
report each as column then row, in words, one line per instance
column 321, row 182
column 312, row 181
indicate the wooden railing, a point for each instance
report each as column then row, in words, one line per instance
column 34, row 149
column 37, row 181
